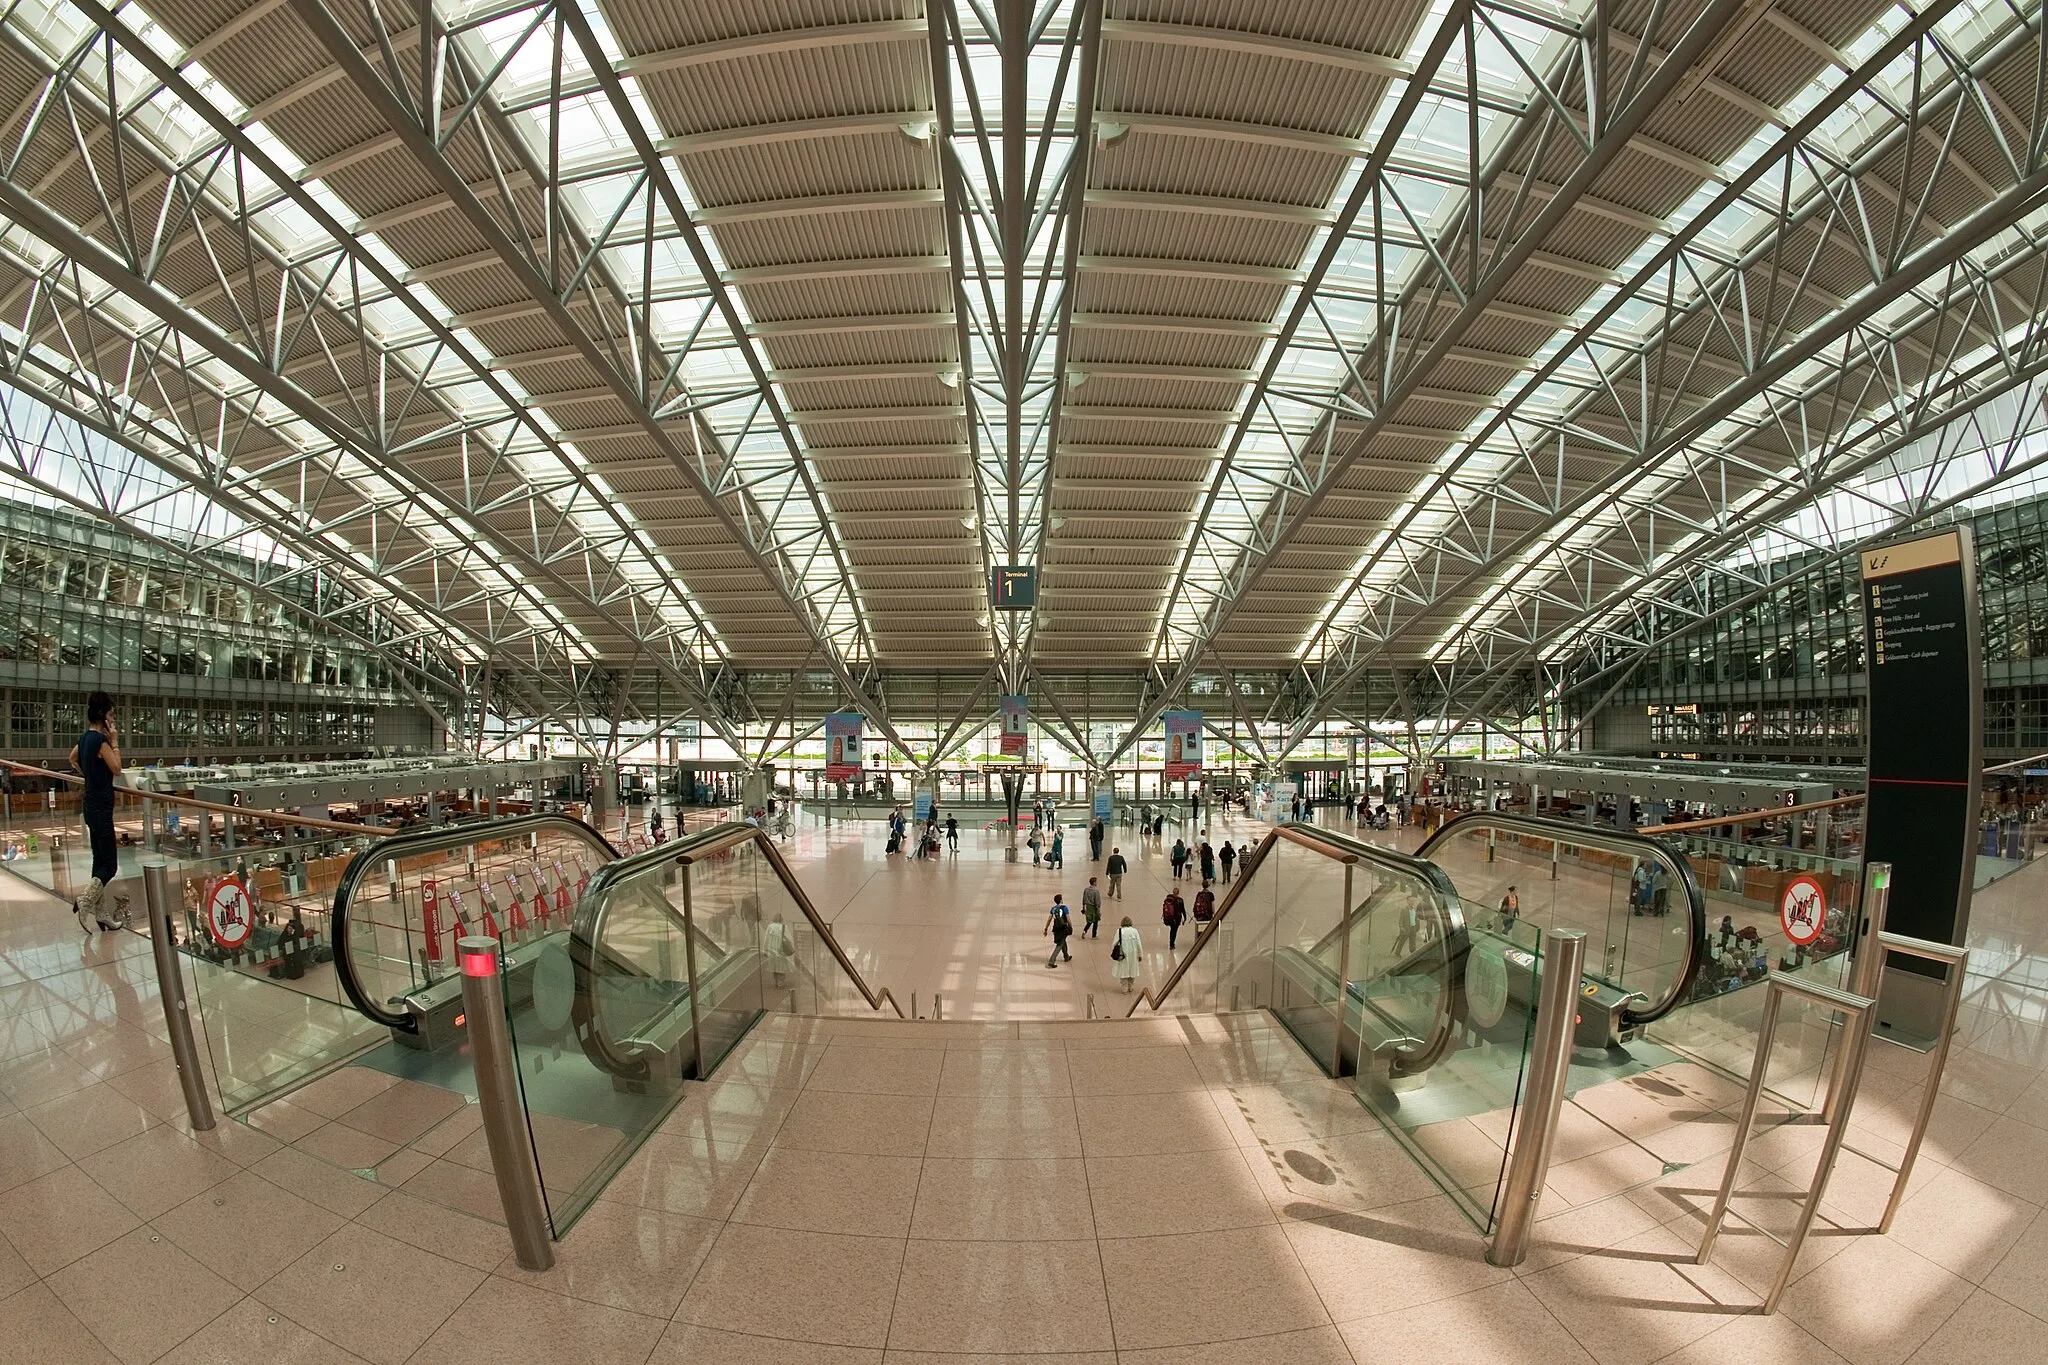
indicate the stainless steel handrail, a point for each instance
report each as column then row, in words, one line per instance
column 269, row 817
column 1344, row 849
column 1614, row 841
column 587, row 929
column 438, row 839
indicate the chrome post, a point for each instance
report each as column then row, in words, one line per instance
column 1957, row 961
column 1550, row 1056
column 170, row 988
column 1866, row 965
column 1091, row 1004
column 690, row 970
column 938, row 1009
column 60, row 867
column 1343, row 980
column 497, row 1092
column 913, row 1004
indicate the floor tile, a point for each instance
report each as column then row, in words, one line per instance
column 1207, row 1287
column 686, row 1344
column 1986, row 1330
column 1132, row 1071
column 625, row 1257
column 157, row 1170
column 25, row 1153
column 871, row 1125
column 878, row 1070
column 516, row 1324
column 869, row 1196
column 1151, row 1125
column 331, row 1188
column 246, row 1228
column 89, row 1120
column 250, row 1332
column 1008, row 1296
column 1016, row 1199
column 60, row 1217
column 1003, row 1125
column 401, row 1112
column 1875, row 1303
column 141, row 1295
column 1502, row 1324
column 1641, row 1301
column 1201, row 1191
column 346, row 1289
column 37, row 1329
column 808, row 1286
column 435, row 1227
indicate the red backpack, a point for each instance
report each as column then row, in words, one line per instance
column 1171, row 910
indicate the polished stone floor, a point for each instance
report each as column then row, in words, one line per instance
column 1040, row 1188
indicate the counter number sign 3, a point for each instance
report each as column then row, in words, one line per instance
column 1803, row 910
column 230, row 913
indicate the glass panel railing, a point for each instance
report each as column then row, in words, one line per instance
column 1637, row 901
column 677, row 952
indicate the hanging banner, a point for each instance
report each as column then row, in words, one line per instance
column 1105, row 803
column 1016, row 731
column 842, row 746
column 921, row 806
column 1183, row 744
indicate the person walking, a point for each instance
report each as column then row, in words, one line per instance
column 1510, row 911
column 1173, row 911
column 1116, row 867
column 1058, row 859
column 1095, row 832
column 953, row 836
column 96, row 757
column 1205, row 909
column 1226, row 858
column 1034, row 843
column 1059, row 923
column 1207, row 856
column 1125, row 955
column 1091, row 910
column 1180, row 857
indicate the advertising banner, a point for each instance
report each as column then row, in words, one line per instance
column 1016, row 727
column 921, row 807
column 1183, row 744
column 1105, row 803
column 842, row 746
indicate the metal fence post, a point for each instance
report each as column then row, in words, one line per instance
column 1866, row 971
column 497, row 1092
column 1550, row 1058
column 170, row 987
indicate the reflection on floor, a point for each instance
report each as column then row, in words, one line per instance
column 1168, row 1190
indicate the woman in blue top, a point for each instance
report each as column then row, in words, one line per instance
column 97, row 758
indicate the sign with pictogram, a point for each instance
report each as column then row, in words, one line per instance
column 1803, row 909
column 230, row 913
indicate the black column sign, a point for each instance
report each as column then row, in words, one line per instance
column 1924, row 731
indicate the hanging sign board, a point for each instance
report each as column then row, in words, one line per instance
column 842, row 746
column 1016, row 727
column 1183, row 745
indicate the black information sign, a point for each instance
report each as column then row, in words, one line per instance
column 1013, row 587
column 1924, row 731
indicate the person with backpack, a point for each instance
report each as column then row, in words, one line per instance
column 1173, row 912
column 1205, row 909
column 1091, row 910
column 1125, row 955
column 1116, row 867
column 1225, row 858
column 1059, row 923
column 1180, row 858
column 1207, row 854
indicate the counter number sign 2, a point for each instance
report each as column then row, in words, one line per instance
column 1803, row 910
column 230, row 913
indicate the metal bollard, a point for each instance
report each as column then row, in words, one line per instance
column 1866, row 973
column 60, row 868
column 170, row 987
column 1550, row 1058
column 497, row 1092
column 938, row 1008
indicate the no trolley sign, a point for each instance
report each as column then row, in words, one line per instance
column 1803, row 910
column 230, row 913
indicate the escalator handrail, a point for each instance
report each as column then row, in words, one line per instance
column 587, row 928
column 1331, row 845
column 436, row 839
column 1617, row 841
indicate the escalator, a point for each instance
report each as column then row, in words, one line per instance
column 1414, row 977
column 624, row 976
